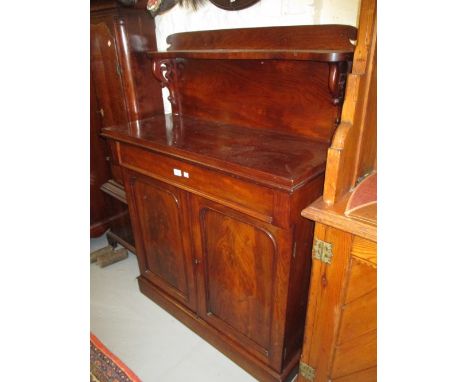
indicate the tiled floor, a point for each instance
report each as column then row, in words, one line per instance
column 146, row 338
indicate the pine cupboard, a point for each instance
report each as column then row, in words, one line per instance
column 215, row 189
column 340, row 337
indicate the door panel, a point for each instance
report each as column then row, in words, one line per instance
column 237, row 258
column 99, row 173
column 106, row 73
column 239, row 264
column 163, row 237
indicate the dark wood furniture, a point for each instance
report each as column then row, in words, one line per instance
column 122, row 90
column 340, row 340
column 215, row 190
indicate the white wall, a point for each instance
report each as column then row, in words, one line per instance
column 263, row 13
column 337, row 12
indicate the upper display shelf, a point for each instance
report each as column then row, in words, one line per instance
column 258, row 54
column 328, row 43
column 288, row 79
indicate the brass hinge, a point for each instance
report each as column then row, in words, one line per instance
column 306, row 371
column 323, row 251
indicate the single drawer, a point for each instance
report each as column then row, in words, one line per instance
column 256, row 200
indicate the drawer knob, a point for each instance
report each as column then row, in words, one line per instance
column 186, row 174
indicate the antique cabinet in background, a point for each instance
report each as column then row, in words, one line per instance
column 99, row 173
column 124, row 90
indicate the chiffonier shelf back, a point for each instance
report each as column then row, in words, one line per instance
column 276, row 78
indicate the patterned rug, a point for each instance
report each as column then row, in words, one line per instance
column 106, row 367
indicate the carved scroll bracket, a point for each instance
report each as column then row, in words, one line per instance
column 168, row 72
column 337, row 80
column 337, row 83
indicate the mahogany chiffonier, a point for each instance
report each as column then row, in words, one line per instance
column 340, row 339
column 122, row 90
column 215, row 190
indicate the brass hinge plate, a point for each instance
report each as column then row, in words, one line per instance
column 306, row 371
column 323, row 251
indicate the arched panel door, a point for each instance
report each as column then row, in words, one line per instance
column 161, row 230
column 238, row 276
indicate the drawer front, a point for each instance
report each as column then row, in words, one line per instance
column 247, row 197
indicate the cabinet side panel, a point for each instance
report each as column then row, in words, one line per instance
column 300, row 267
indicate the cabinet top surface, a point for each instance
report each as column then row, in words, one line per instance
column 279, row 160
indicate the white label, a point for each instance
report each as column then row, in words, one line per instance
column 177, row 172
column 186, row 174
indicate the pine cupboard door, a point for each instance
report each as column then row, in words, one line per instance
column 158, row 212
column 240, row 277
